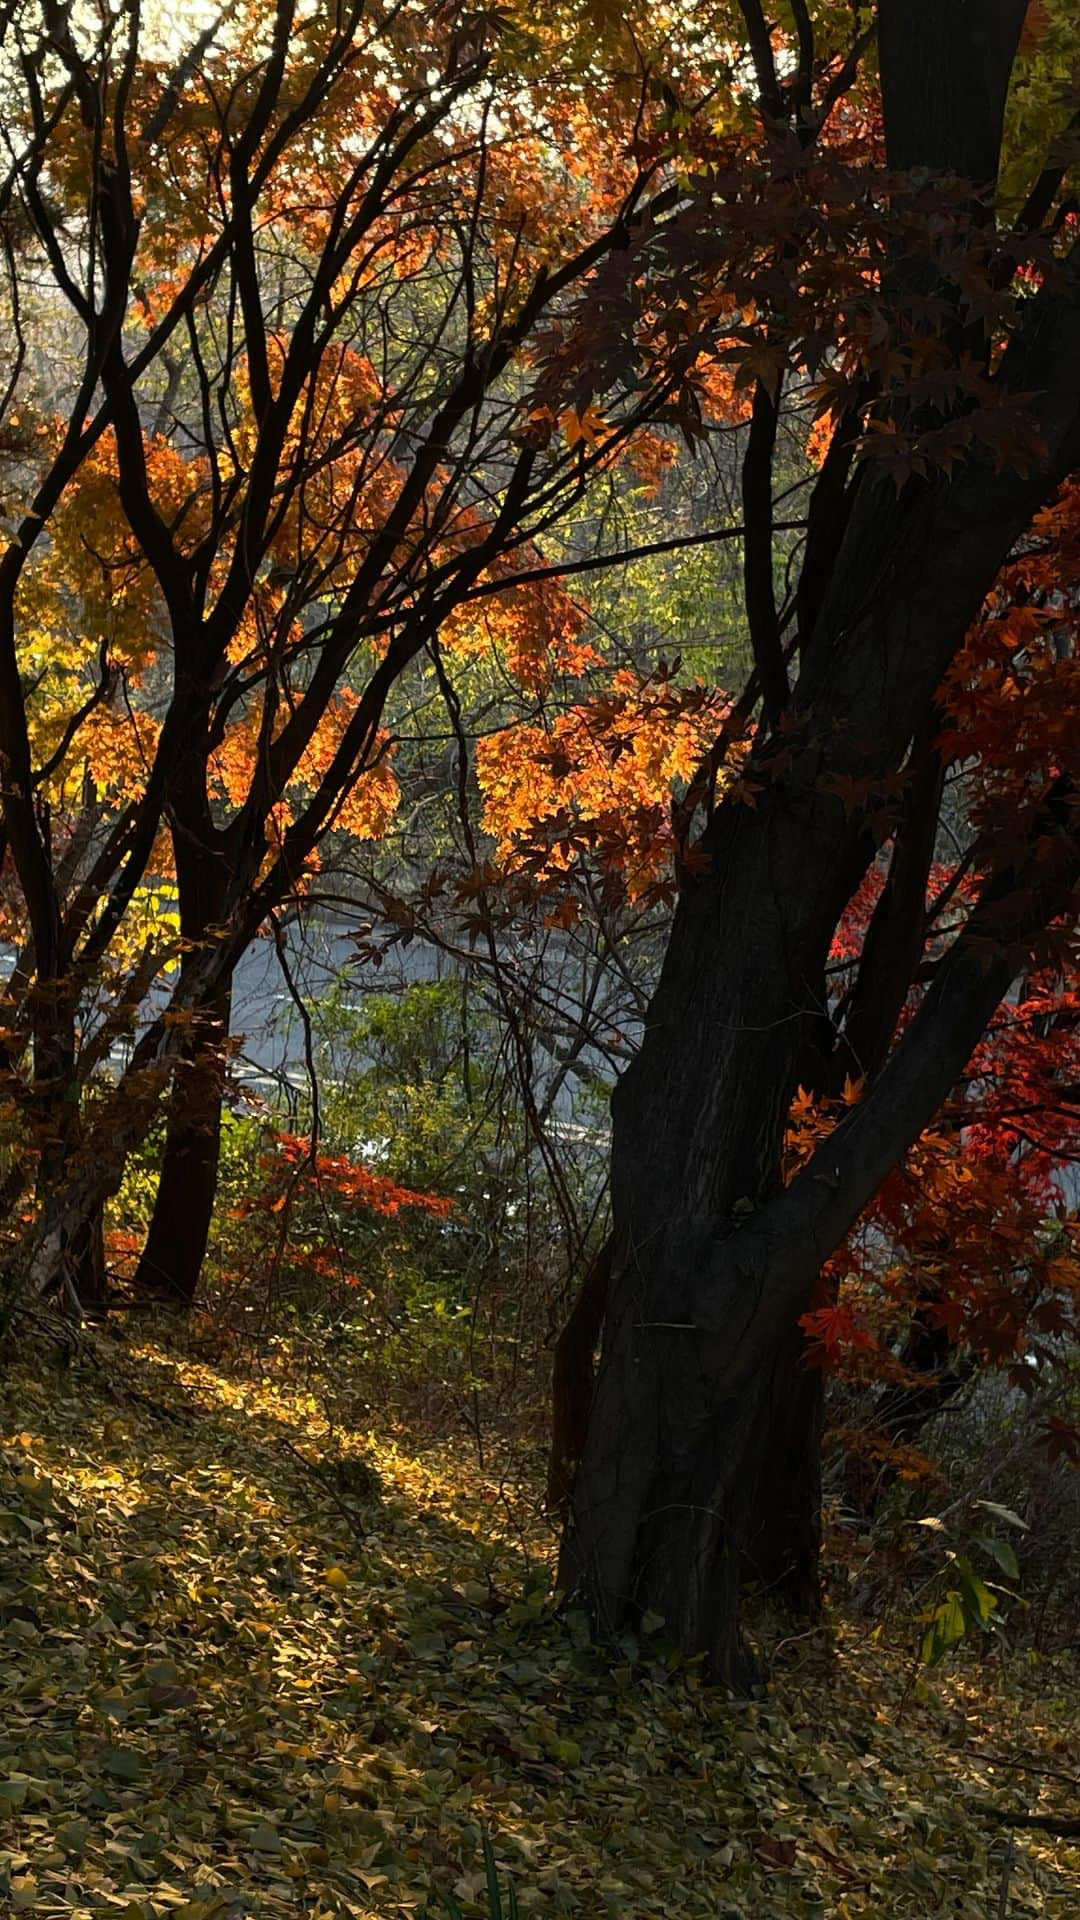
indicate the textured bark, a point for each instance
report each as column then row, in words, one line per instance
column 945, row 67
column 665, row 1506
column 782, row 1541
column 786, row 1542
column 893, row 946
column 88, row 1270
column 572, row 1380
column 175, row 1249
column 681, row 1495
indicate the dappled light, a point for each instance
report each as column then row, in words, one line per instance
column 249, row 1656
column 539, row 995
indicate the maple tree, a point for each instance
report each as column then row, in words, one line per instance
column 914, row 676
column 355, row 319
column 303, row 272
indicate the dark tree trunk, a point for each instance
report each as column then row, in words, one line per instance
column 944, row 78
column 82, row 1248
column 938, row 1374
column 783, row 1532
column 699, row 1472
column 572, row 1380
column 175, row 1249
column 87, row 1256
column 682, row 1494
column 704, row 1307
column 930, row 1354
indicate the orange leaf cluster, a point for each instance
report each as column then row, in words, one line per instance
column 596, row 782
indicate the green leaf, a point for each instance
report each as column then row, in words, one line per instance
column 1004, row 1514
column 264, row 1838
column 979, row 1602
column 948, row 1624
column 73, row 1836
column 492, row 1877
column 1002, row 1552
column 123, row 1763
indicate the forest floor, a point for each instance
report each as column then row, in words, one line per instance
column 253, row 1665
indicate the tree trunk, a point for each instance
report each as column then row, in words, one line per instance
column 82, row 1248
column 572, row 1380
column 784, row 1547
column 175, row 1249
column 681, row 1496
column 683, row 1442
column 704, row 1306
column 782, row 1543
column 944, row 78
column 87, row 1256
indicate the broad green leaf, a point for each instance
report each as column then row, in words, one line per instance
column 948, row 1624
column 123, row 1763
column 978, row 1600
column 1001, row 1551
column 1004, row 1514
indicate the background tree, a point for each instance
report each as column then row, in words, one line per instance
column 304, row 385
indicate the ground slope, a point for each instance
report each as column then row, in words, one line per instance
column 243, row 1674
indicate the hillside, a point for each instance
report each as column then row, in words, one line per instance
column 256, row 1667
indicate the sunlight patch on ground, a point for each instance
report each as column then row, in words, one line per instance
column 255, row 1667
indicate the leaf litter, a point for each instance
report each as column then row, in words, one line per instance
column 219, row 1698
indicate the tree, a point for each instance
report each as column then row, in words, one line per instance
column 297, row 273
column 342, row 334
column 950, row 375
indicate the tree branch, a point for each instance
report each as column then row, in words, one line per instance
column 760, row 42
column 777, row 1255
column 760, row 595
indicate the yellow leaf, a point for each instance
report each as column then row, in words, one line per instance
column 337, row 1579
column 584, row 427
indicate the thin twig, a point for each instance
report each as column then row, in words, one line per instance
column 349, row 1515
column 1028, row 1766
column 1064, row 1829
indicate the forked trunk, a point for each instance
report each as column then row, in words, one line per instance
column 699, row 1472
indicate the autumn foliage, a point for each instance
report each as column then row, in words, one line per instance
column 355, row 353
